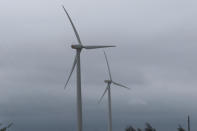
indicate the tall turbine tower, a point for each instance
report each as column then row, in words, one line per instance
column 108, row 88
column 78, row 47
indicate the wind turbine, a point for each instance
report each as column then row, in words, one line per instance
column 78, row 47
column 108, row 89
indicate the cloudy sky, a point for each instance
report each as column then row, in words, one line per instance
column 155, row 56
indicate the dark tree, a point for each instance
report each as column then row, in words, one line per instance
column 180, row 128
column 5, row 128
column 138, row 129
column 149, row 127
column 130, row 128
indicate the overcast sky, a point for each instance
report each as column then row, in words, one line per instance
column 155, row 56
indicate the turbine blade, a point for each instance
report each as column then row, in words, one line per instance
column 95, row 47
column 73, row 67
column 104, row 93
column 76, row 33
column 108, row 66
column 120, row 85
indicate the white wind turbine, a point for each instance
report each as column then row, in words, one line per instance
column 78, row 47
column 108, row 88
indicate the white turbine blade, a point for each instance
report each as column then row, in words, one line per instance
column 76, row 33
column 104, row 93
column 95, row 47
column 120, row 85
column 108, row 66
column 74, row 63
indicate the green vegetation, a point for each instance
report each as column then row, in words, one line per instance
column 5, row 128
column 149, row 128
column 180, row 128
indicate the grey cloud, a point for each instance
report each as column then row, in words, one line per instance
column 155, row 57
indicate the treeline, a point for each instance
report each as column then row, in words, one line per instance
column 149, row 128
column 6, row 127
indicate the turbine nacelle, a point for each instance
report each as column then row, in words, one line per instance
column 80, row 46
column 108, row 81
column 77, row 46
